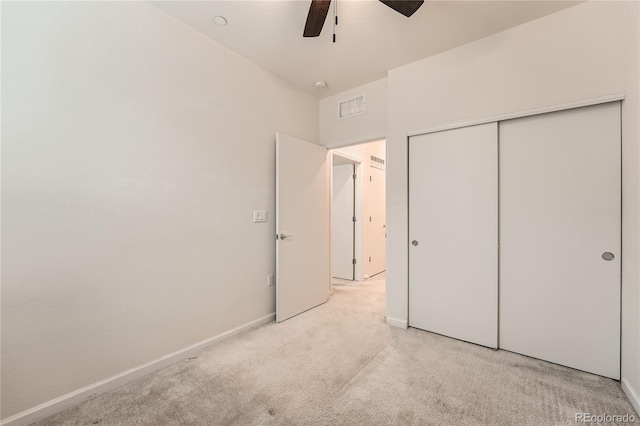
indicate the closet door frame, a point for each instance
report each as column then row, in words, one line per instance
column 620, row 96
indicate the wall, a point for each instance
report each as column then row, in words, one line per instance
column 581, row 52
column 366, row 248
column 361, row 128
column 134, row 153
column 631, row 206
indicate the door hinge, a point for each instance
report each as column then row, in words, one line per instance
column 369, row 218
column 369, row 178
column 354, row 219
column 354, row 176
column 353, row 261
column 369, row 258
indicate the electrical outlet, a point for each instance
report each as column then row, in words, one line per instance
column 270, row 280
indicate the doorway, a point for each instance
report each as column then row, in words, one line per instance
column 358, row 229
column 303, row 220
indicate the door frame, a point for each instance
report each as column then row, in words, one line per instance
column 619, row 97
column 358, row 231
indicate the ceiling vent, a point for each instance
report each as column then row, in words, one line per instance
column 352, row 107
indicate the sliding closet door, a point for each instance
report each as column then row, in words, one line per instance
column 560, row 237
column 453, row 221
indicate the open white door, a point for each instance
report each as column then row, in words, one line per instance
column 303, row 209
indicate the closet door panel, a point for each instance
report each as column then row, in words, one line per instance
column 453, row 221
column 559, row 215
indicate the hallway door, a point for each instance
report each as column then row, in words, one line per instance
column 377, row 224
column 343, row 221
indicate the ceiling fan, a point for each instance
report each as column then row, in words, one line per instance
column 319, row 9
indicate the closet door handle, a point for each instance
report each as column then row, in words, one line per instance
column 414, row 242
column 608, row 256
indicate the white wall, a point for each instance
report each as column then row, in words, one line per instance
column 361, row 128
column 134, row 152
column 630, row 209
column 584, row 51
column 365, row 245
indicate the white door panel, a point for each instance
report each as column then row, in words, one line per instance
column 303, row 209
column 342, row 225
column 559, row 212
column 376, row 226
column 453, row 216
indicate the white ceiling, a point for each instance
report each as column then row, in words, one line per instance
column 371, row 38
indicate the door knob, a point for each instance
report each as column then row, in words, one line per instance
column 414, row 242
column 608, row 256
column 284, row 237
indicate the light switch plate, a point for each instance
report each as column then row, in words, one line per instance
column 259, row 216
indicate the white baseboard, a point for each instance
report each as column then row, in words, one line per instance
column 51, row 407
column 631, row 393
column 397, row 322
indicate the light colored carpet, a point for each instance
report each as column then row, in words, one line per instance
column 340, row 364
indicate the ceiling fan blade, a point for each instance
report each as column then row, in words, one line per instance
column 316, row 17
column 406, row 7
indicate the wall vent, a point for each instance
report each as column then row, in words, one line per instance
column 377, row 162
column 352, row 107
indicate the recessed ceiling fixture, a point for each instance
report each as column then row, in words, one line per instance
column 320, row 84
column 220, row 20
